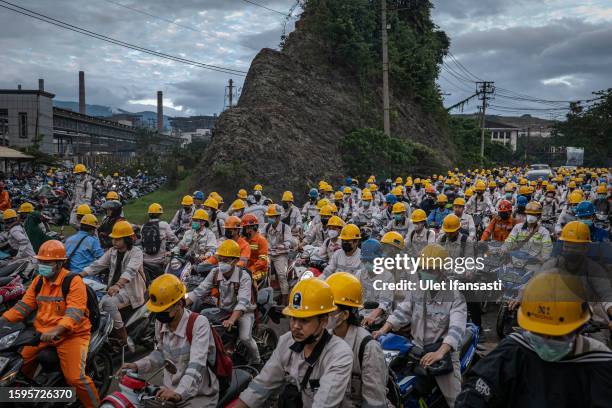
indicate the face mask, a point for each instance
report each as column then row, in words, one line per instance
column 313, row 199
column 333, row 322
column 347, row 247
column 228, row 234
column 508, row 195
column 163, row 317
column 272, row 220
column 602, row 196
column 571, row 210
column 532, row 219
column 504, row 215
column 549, row 199
column 366, row 204
column 324, row 221
column 398, row 217
column 549, row 349
column 588, row 223
column 45, row 270
column 225, row 268
column 285, row 205
column 426, row 276
column 441, row 205
column 195, row 226
column 257, row 194
column 332, row 233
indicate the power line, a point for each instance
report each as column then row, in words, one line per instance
column 462, row 67
column 146, row 13
column 61, row 24
column 265, row 7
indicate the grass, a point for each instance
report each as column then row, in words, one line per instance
column 170, row 200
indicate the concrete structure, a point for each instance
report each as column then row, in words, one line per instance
column 501, row 133
column 192, row 123
column 198, row 135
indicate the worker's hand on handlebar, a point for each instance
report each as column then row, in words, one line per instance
column 129, row 366
column 167, row 394
column 52, row 335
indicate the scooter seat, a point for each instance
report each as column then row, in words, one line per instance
column 467, row 340
column 9, row 269
column 5, row 280
column 240, row 381
column 48, row 359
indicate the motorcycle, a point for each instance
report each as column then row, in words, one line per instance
column 481, row 220
column 137, row 392
column 14, row 336
column 306, row 265
column 263, row 335
column 415, row 386
column 11, row 290
column 513, row 276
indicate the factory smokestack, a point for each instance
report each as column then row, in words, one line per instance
column 41, row 84
column 82, row 92
column 160, row 112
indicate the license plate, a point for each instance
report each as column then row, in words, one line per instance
column 3, row 362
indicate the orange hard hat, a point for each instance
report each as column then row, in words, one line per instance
column 248, row 220
column 232, row 222
column 52, row 250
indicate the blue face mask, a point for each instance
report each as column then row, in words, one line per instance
column 426, row 276
column 45, row 270
column 549, row 349
column 195, row 226
column 366, row 204
column 588, row 223
column 398, row 217
column 508, row 195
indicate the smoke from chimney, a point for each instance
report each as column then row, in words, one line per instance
column 160, row 112
column 82, row 92
column 41, row 84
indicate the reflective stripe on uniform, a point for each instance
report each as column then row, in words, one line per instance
column 23, row 308
column 49, row 299
column 254, row 246
column 74, row 313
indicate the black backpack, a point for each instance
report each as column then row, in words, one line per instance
column 92, row 299
column 150, row 238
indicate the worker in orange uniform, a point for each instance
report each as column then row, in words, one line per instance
column 62, row 321
column 501, row 225
column 258, row 262
column 232, row 231
column 5, row 199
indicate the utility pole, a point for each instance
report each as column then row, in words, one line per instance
column 527, row 143
column 385, row 52
column 485, row 89
column 230, row 95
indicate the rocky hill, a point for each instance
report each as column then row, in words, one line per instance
column 296, row 106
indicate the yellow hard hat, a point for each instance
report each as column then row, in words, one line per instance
column 8, row 214
column 523, row 182
column 79, row 168
column 200, row 215
column 322, row 202
column 551, row 188
column 346, row 289
column 334, row 208
column 350, row 232
column 89, row 219
column 393, row 238
column 553, row 305
column 112, row 195
column 418, row 215
column 216, row 196
column 338, row 195
column 572, row 184
column 524, row 190
column 442, row 198
column 115, row 174
column 326, row 211
column 397, row 191
column 165, row 291
column 366, row 195
column 122, row 229
column 238, row 204
column 287, row 196
column 480, row 185
column 83, row 209
column 187, row 200
column 211, row 203
column 310, row 297
column 347, row 190
column 533, row 208
column 25, row 208
column 575, row 197
column 451, row 223
column 492, row 183
column 155, row 208
column 459, row 201
column 398, row 208
column 469, row 192
column 328, row 188
column 433, row 257
column 576, row 231
column 373, row 187
column 335, row 221
column 601, row 189
column 258, row 187
column 229, row 248
column 399, row 180
column 242, row 194
column 272, row 211
column 408, row 183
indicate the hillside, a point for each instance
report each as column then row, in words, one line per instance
column 299, row 103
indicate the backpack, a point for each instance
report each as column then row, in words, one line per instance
column 92, row 299
column 151, row 239
column 215, row 292
column 393, row 392
column 223, row 362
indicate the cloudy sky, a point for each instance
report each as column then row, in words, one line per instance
column 550, row 50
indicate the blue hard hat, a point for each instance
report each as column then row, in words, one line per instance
column 371, row 249
column 586, row 187
column 198, row 195
column 348, row 181
column 521, row 201
column 313, row 193
column 585, row 209
column 390, row 199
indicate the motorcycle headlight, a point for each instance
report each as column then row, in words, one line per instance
column 390, row 355
column 307, row 275
column 7, row 341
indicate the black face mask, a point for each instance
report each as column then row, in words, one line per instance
column 313, row 199
column 229, row 234
column 347, row 246
column 163, row 317
column 285, row 205
column 324, row 221
column 246, row 233
column 504, row 215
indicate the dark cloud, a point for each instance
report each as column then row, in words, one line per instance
column 462, row 9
